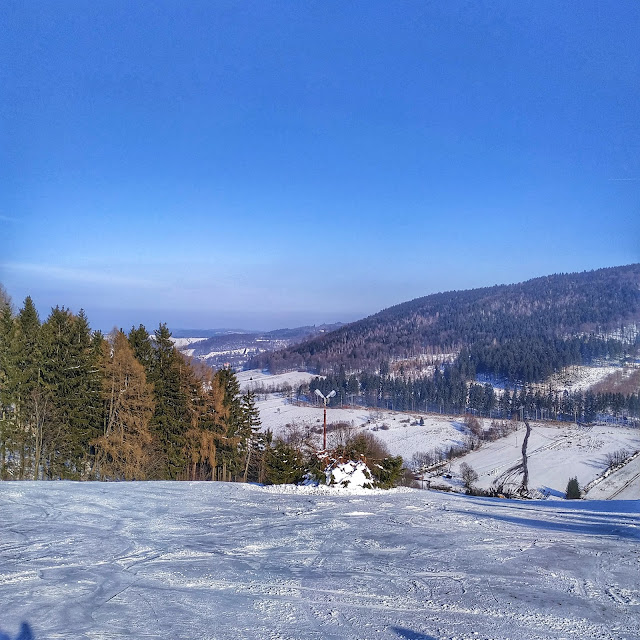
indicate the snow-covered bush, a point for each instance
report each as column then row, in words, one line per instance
column 352, row 474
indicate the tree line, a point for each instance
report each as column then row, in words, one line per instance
column 449, row 391
column 75, row 404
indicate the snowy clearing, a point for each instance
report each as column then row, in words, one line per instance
column 181, row 343
column 218, row 561
column 623, row 484
column 555, row 454
column 399, row 431
column 254, row 378
column 556, row 451
column 577, row 378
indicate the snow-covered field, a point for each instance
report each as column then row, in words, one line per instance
column 254, row 378
column 199, row 561
column 577, row 378
column 555, row 454
column 399, row 431
column 181, row 343
column 623, row 484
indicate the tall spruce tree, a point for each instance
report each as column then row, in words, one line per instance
column 88, row 352
column 573, row 490
column 251, row 442
column 8, row 390
column 34, row 398
column 231, row 422
column 5, row 298
column 171, row 419
column 71, row 374
column 140, row 342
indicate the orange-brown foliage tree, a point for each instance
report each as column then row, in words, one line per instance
column 125, row 449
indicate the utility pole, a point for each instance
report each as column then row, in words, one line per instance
column 524, row 487
column 326, row 400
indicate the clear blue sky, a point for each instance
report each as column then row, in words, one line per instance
column 266, row 164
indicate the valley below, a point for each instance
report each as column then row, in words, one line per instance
column 557, row 451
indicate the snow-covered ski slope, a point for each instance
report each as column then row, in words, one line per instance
column 196, row 561
column 255, row 378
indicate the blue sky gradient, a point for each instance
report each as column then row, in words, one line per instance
column 269, row 164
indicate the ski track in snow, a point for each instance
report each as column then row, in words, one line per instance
column 216, row 561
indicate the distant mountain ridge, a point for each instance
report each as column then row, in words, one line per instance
column 221, row 347
column 207, row 333
column 523, row 330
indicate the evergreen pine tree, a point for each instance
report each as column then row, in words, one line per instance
column 89, row 387
column 8, row 390
column 35, row 399
column 573, row 490
column 5, row 298
column 231, row 424
column 70, row 371
column 171, row 419
column 389, row 472
column 250, row 431
column 31, row 397
column 140, row 342
column 284, row 464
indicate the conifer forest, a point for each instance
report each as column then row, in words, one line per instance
column 76, row 404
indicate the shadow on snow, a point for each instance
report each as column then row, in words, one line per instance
column 409, row 634
column 24, row 634
column 595, row 526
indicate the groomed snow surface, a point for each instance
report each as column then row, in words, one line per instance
column 222, row 561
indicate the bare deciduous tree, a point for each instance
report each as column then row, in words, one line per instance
column 468, row 475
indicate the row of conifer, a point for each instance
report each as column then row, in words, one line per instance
column 76, row 404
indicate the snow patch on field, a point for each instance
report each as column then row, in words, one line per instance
column 577, row 378
column 326, row 490
column 226, row 352
column 622, row 484
column 401, row 432
column 556, row 453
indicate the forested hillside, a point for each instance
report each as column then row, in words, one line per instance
column 522, row 332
